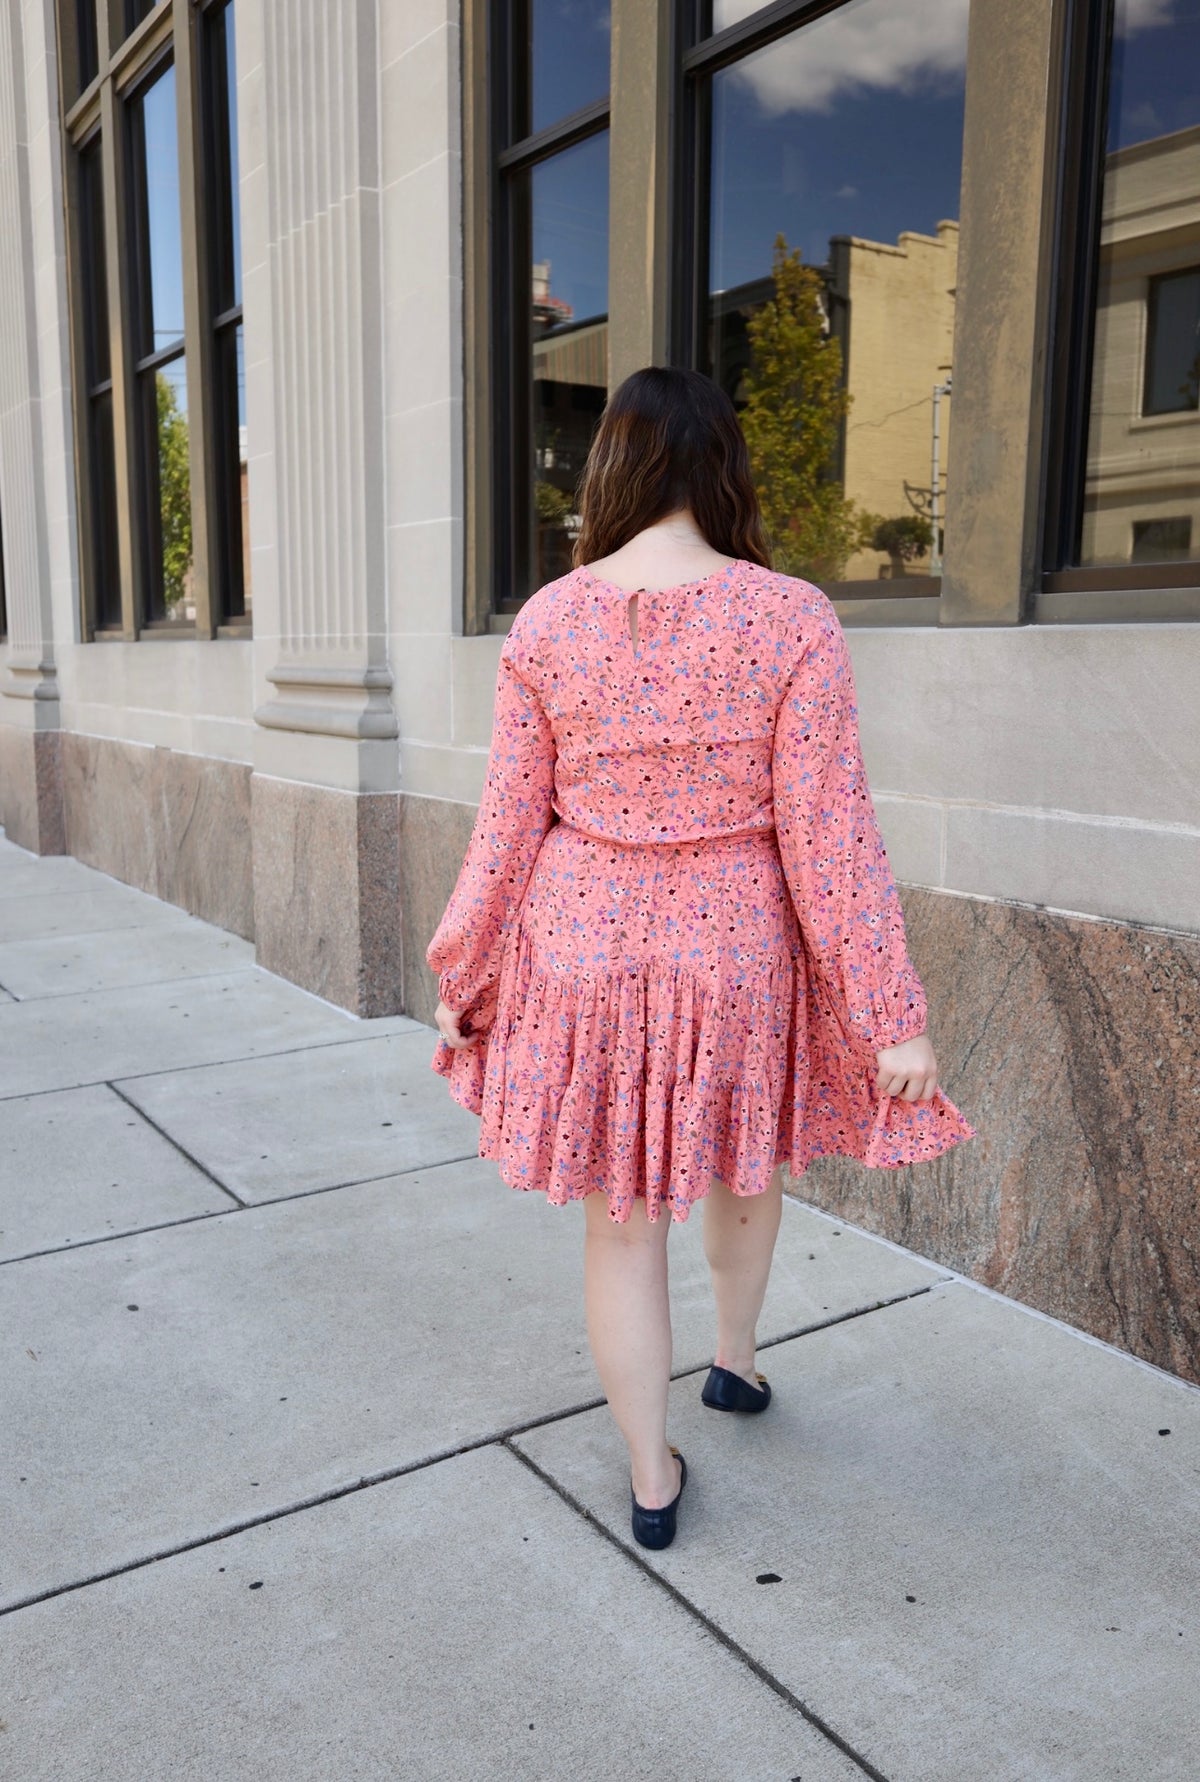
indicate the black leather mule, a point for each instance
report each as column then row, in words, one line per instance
column 656, row 1528
column 723, row 1391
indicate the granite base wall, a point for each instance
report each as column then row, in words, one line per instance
column 173, row 824
column 31, row 793
column 1070, row 1045
column 327, row 901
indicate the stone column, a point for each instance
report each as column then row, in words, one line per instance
column 325, row 787
column 30, row 778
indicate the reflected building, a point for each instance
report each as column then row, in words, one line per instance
column 1142, row 494
column 892, row 308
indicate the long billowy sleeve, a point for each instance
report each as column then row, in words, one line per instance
column 513, row 818
column 832, row 851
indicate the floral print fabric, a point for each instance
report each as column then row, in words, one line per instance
column 676, row 926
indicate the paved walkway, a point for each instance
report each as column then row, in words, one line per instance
column 305, row 1474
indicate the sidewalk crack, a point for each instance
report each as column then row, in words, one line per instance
column 710, row 1626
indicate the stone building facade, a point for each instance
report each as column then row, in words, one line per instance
column 294, row 750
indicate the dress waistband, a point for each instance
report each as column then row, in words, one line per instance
column 764, row 831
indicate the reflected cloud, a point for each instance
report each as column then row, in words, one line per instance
column 902, row 46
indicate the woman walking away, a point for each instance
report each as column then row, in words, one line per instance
column 675, row 958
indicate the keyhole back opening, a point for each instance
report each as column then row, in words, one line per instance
column 633, row 617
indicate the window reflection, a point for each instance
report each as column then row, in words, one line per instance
column 835, row 166
column 569, row 52
column 172, row 493
column 229, row 361
column 101, row 491
column 86, row 62
column 136, row 11
column 165, row 492
column 161, row 234
column 568, row 310
column 1142, row 490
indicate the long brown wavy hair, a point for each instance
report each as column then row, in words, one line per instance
column 669, row 438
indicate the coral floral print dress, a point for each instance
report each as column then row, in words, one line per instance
column 688, row 973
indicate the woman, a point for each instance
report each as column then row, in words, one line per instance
column 675, row 958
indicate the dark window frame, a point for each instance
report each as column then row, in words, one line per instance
column 703, row 53
column 1086, row 65
column 510, row 346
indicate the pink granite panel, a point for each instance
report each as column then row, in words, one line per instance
column 1071, row 1046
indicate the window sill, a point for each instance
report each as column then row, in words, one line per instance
column 1130, row 605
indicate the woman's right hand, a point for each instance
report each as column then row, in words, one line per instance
column 908, row 1070
column 452, row 1030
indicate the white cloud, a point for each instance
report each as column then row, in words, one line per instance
column 892, row 45
column 898, row 45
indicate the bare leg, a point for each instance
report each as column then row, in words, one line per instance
column 629, row 1329
column 739, row 1242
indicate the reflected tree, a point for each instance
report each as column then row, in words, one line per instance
column 796, row 401
column 174, row 491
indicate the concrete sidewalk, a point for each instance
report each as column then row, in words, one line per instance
column 306, row 1474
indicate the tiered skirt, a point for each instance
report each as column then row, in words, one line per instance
column 659, row 1022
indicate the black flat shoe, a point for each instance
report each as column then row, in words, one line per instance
column 723, row 1391
column 656, row 1528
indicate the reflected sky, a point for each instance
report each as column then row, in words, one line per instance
column 571, row 54
column 162, row 203
column 570, row 224
column 1155, row 70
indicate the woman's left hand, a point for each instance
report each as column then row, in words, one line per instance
column 452, row 1028
column 908, row 1070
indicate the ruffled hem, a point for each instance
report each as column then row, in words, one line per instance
column 648, row 1082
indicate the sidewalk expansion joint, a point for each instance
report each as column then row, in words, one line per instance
column 175, row 1070
column 190, row 977
column 710, row 1626
column 241, row 1206
column 175, row 1145
column 497, row 1438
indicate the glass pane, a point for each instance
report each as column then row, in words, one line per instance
column 3, row 605
column 94, row 272
column 136, row 11
column 568, row 319
column 1173, row 343
column 717, row 15
column 569, row 44
column 221, row 78
column 234, row 493
column 159, row 231
column 235, row 207
column 1142, row 491
column 170, row 505
column 85, row 42
column 836, row 160
column 105, row 565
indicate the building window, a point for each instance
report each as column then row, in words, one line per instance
column 817, row 237
column 1173, row 343
column 3, row 596
column 151, row 150
column 549, row 347
column 1124, row 447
